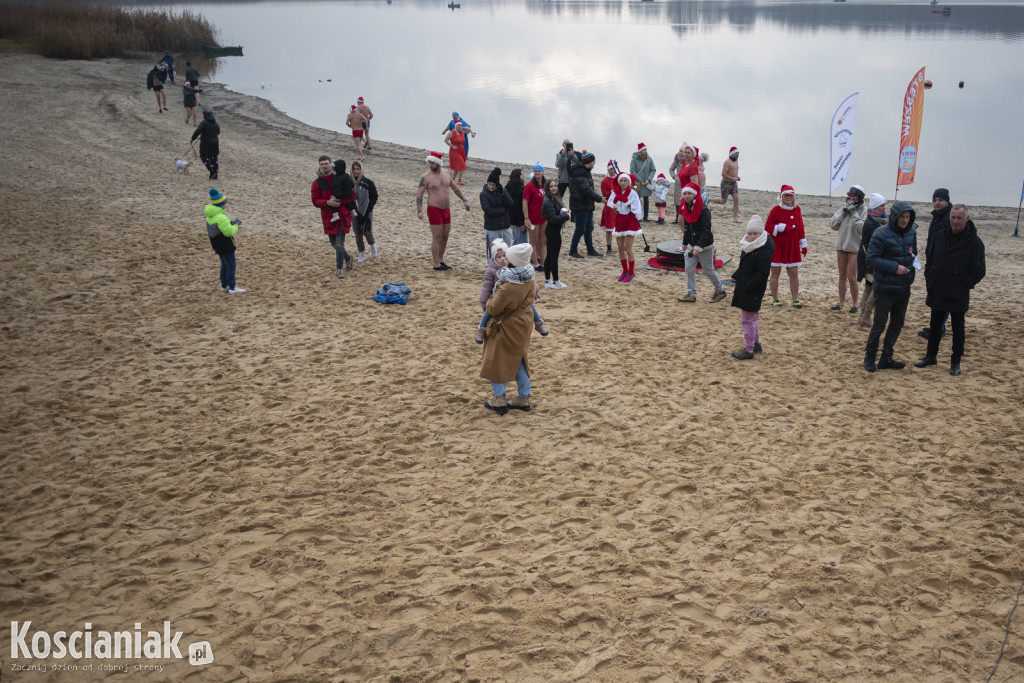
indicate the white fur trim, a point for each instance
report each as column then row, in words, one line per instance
column 787, row 265
column 626, row 233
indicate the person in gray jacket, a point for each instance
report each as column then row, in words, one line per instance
column 848, row 222
column 564, row 160
column 892, row 256
column 642, row 168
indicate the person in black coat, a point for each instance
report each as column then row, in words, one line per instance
column 496, row 204
column 516, row 217
column 892, row 255
column 208, row 132
column 956, row 263
column 876, row 218
column 582, row 200
column 940, row 223
column 555, row 215
column 751, row 279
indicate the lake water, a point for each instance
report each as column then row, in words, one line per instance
column 764, row 77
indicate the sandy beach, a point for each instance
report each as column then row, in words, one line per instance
column 308, row 480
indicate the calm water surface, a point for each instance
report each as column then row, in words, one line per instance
column 765, row 77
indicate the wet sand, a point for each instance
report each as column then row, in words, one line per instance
column 308, row 479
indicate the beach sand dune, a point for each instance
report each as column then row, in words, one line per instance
column 308, row 479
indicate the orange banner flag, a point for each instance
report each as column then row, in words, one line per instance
column 910, row 133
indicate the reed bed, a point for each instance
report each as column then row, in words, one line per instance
column 73, row 31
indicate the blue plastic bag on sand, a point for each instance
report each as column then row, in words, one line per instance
column 393, row 293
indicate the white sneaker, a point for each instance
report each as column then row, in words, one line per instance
column 339, row 272
column 223, row 289
column 548, row 284
column 559, row 285
column 362, row 258
column 373, row 250
column 236, row 290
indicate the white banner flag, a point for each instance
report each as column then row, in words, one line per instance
column 842, row 142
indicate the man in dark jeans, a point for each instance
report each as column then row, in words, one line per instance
column 582, row 200
column 955, row 265
column 939, row 224
column 892, row 254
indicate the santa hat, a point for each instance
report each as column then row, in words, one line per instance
column 187, row 84
column 641, row 147
column 691, row 188
column 734, row 150
column 621, row 175
column 353, row 107
column 360, row 100
column 613, row 167
column 787, row 189
column 435, row 158
column 519, row 255
column 876, row 201
column 662, row 175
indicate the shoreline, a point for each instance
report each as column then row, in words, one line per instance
column 308, row 480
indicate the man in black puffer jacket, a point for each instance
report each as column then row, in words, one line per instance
column 496, row 203
column 892, row 254
column 940, row 223
column 956, row 263
column 582, row 199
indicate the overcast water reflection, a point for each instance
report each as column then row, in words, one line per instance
column 764, row 77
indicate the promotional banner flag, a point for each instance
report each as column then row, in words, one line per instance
column 910, row 132
column 842, row 142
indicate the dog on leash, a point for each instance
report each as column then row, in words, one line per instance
column 182, row 165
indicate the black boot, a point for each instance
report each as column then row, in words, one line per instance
column 575, row 254
column 887, row 363
column 926, row 361
column 954, row 367
column 869, row 362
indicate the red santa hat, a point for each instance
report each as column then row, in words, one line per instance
column 787, row 189
column 662, row 175
column 734, row 150
column 641, row 147
column 360, row 100
column 353, row 107
column 691, row 188
column 435, row 158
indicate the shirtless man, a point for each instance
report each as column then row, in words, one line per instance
column 357, row 122
column 436, row 183
column 730, row 180
column 365, row 111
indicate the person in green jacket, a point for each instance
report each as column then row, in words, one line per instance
column 222, row 238
column 642, row 168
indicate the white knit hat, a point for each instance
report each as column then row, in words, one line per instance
column 497, row 245
column 875, row 201
column 519, row 255
column 755, row 224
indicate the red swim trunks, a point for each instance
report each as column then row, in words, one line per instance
column 357, row 133
column 436, row 216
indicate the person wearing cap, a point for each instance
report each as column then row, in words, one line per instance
column 641, row 167
column 208, row 132
column 608, row 214
column 698, row 243
column 506, row 354
column 939, row 224
column 730, row 184
column 362, row 211
column 533, row 212
column 191, row 94
column 466, row 128
column 367, row 114
column 456, row 156
column 876, row 218
column 583, row 198
column 565, row 159
column 498, row 261
column 627, row 223
column 848, row 221
column 751, row 278
column 222, row 231
column 326, row 195
column 437, row 183
column 496, row 205
column 660, row 190
column 892, row 255
column 786, row 226
column 355, row 121
column 955, row 265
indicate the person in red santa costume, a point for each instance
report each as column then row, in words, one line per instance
column 786, row 225
column 608, row 214
column 626, row 202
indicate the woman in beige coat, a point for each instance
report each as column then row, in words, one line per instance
column 507, row 339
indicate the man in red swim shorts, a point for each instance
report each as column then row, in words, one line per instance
column 356, row 122
column 436, row 182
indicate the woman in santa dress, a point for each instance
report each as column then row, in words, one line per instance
column 608, row 214
column 456, row 140
column 786, row 225
column 626, row 202
column 692, row 170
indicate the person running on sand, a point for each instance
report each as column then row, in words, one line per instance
column 751, row 277
column 786, row 225
column 208, row 132
column 355, row 121
column 499, row 260
column 608, row 214
column 730, row 183
column 155, row 81
column 660, row 190
column 848, row 221
column 362, row 219
column 533, row 204
column 331, row 211
column 367, row 114
column 507, row 336
column 191, row 94
column 555, row 215
column 437, row 183
column 222, row 233
column 456, row 156
column 627, row 223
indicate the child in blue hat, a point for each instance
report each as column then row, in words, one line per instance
column 222, row 238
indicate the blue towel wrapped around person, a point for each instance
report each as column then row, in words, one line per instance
column 393, row 293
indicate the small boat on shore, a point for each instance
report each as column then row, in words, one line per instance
column 222, row 50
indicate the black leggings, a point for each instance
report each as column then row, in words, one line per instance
column 554, row 235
